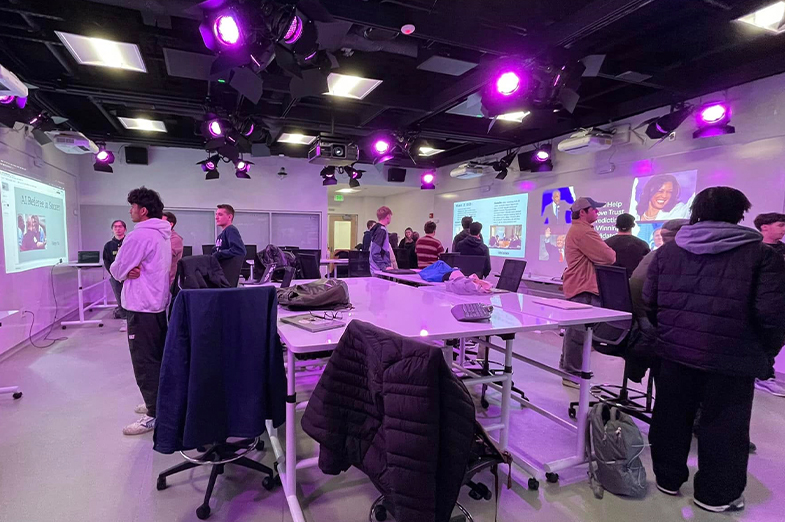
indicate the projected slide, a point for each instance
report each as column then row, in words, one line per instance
column 503, row 222
column 33, row 223
column 660, row 198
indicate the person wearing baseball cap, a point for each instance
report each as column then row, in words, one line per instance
column 629, row 249
column 583, row 249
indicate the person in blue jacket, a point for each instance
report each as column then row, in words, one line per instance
column 229, row 242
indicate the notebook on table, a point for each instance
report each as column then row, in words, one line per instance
column 561, row 303
column 313, row 323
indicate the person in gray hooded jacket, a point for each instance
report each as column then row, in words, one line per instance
column 715, row 295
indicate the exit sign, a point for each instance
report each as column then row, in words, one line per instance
column 338, row 197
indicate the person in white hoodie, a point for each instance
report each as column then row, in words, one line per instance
column 143, row 264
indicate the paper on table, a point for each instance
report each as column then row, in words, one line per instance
column 561, row 303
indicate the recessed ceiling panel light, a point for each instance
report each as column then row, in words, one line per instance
column 103, row 53
column 428, row 151
column 142, row 124
column 770, row 17
column 513, row 116
column 347, row 190
column 350, row 86
column 297, row 139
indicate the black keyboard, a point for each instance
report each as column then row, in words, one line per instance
column 472, row 312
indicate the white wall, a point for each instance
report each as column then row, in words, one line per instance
column 32, row 290
column 412, row 209
column 364, row 207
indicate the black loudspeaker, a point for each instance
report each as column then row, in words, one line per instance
column 396, row 175
column 136, row 155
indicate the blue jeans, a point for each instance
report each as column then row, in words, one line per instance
column 117, row 289
column 572, row 348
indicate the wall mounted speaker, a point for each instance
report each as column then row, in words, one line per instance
column 396, row 175
column 136, row 155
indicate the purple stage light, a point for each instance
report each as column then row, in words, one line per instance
column 215, row 129
column 310, row 56
column 210, row 165
column 249, row 131
column 427, row 178
column 426, row 181
column 713, row 114
column 6, row 100
column 508, row 83
column 542, row 155
column 102, row 156
column 294, row 32
column 226, row 30
column 381, row 146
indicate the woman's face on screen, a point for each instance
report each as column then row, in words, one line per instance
column 662, row 196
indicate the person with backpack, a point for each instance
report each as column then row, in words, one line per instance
column 715, row 296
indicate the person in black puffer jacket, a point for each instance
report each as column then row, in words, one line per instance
column 715, row 296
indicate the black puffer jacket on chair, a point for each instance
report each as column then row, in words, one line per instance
column 391, row 407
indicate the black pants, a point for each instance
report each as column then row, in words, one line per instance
column 146, row 339
column 724, row 444
column 117, row 289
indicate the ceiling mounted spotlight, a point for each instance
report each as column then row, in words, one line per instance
column 17, row 101
column 241, row 168
column 427, row 181
column 713, row 119
column 664, row 126
column 328, row 175
column 537, row 160
column 507, row 83
column 282, row 173
column 383, row 148
column 103, row 160
column 210, row 166
column 227, row 30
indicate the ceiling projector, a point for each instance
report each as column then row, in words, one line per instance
column 467, row 171
column 10, row 85
column 586, row 141
column 73, row 142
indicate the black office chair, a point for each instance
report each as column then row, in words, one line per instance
column 613, row 339
column 402, row 257
column 342, row 270
column 188, row 251
column 308, row 266
column 469, row 265
column 232, row 268
column 207, row 250
column 512, row 272
column 359, row 264
column 250, row 255
column 449, row 258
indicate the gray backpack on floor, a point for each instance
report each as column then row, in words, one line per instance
column 616, row 444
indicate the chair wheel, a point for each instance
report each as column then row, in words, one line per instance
column 278, row 480
column 17, row 395
column 475, row 494
column 484, row 403
column 268, row 483
column 203, row 512
column 260, row 446
column 534, row 484
column 488, row 495
column 572, row 413
column 380, row 513
column 552, row 478
column 161, row 484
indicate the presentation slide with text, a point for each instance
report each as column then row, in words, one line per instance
column 503, row 221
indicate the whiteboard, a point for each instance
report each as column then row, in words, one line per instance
column 300, row 230
column 254, row 227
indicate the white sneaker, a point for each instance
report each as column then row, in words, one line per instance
column 771, row 386
column 124, row 326
column 736, row 505
column 670, row 492
column 141, row 409
column 143, row 425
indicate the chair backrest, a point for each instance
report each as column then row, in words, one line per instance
column 359, row 264
column 250, row 255
column 449, row 258
column 232, row 268
column 614, row 289
column 188, row 251
column 310, row 251
column 402, row 257
column 309, row 266
column 207, row 250
column 512, row 272
column 470, row 265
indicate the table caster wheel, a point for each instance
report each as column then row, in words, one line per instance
column 268, row 483
column 484, row 403
column 63, row 327
column 475, row 495
column 552, row 478
column 161, row 484
column 100, row 325
column 380, row 513
column 534, row 484
column 260, row 446
column 203, row 512
column 17, row 395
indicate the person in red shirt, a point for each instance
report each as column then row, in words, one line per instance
column 428, row 247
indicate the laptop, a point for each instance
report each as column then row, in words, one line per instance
column 88, row 257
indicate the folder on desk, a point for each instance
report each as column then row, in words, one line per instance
column 313, row 323
column 561, row 303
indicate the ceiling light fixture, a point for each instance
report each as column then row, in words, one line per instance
column 408, row 29
column 103, row 53
column 537, row 160
column 350, row 86
column 713, row 119
column 295, row 31
column 770, row 18
column 241, row 168
column 427, row 181
column 428, row 151
column 513, row 116
column 658, row 128
column 296, row 139
column 226, row 30
column 346, row 191
column 210, row 166
column 143, row 124
column 507, row 83
column 103, row 160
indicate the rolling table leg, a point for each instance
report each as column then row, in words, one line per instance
column 80, row 294
column 504, row 435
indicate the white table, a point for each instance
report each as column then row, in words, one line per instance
column 335, row 263
column 410, row 279
column 100, row 303
column 406, row 311
column 517, row 303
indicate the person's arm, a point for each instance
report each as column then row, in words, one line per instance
column 487, row 269
column 439, row 249
column 592, row 246
column 130, row 256
column 770, row 301
column 107, row 254
column 650, row 289
column 231, row 245
column 376, row 249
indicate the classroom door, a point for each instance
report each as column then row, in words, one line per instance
column 342, row 232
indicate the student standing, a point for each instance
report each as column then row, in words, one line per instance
column 110, row 253
column 143, row 265
column 463, row 234
column 381, row 257
column 177, row 245
column 583, row 248
column 473, row 246
column 229, row 243
column 367, row 235
column 428, row 247
column 629, row 249
column 408, row 243
column 715, row 295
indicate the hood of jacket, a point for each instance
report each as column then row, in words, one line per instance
column 715, row 237
column 473, row 241
column 156, row 225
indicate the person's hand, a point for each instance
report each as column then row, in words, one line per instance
column 134, row 273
